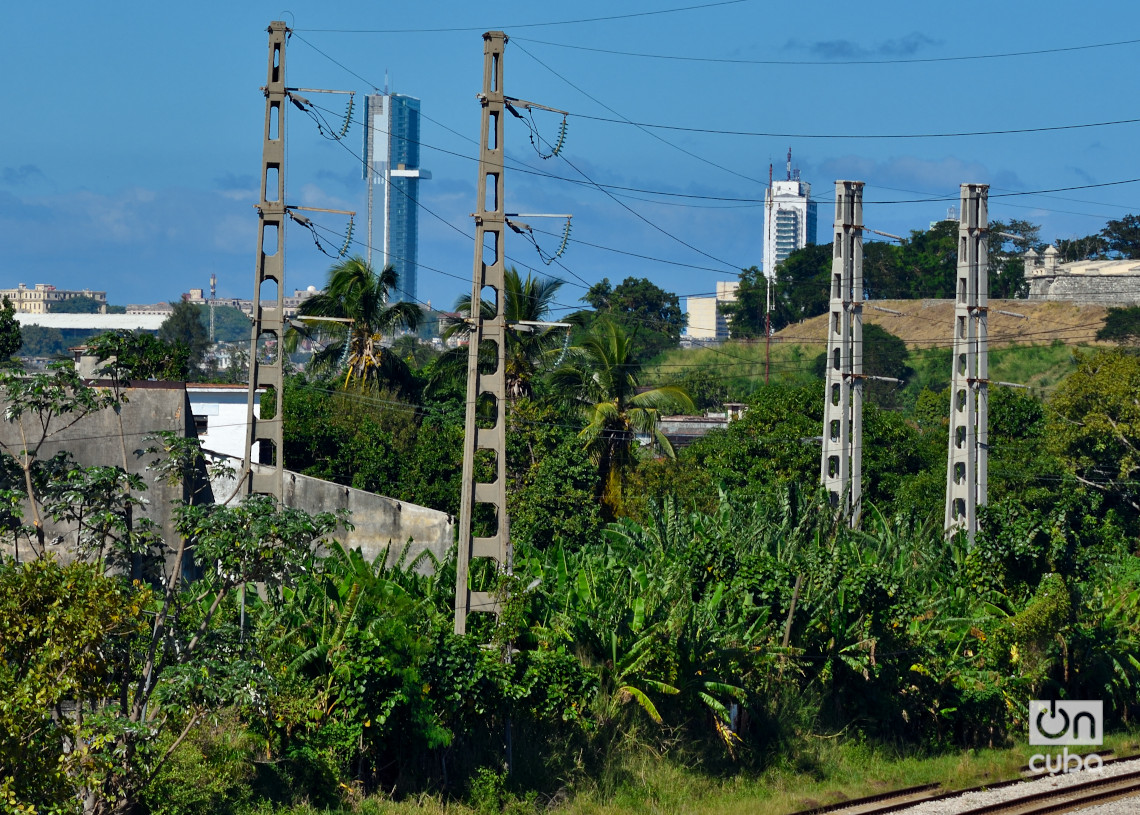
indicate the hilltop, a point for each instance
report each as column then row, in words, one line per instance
column 928, row 323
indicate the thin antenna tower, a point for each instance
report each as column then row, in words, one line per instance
column 488, row 274
column 968, row 459
column 841, row 466
column 268, row 314
column 213, row 296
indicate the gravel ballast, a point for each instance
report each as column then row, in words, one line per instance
column 963, row 803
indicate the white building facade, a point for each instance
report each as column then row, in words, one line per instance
column 789, row 220
column 220, row 418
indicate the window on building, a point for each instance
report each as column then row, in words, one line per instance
column 201, row 424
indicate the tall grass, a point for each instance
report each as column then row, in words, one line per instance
column 742, row 367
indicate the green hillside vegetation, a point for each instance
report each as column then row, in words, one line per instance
column 738, row 368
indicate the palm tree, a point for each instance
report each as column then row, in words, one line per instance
column 601, row 377
column 528, row 299
column 360, row 297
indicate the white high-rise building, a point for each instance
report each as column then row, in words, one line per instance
column 789, row 218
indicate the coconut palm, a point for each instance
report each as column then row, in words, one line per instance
column 528, row 299
column 600, row 375
column 354, row 292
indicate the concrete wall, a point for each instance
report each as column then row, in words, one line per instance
column 379, row 522
column 154, row 406
column 94, row 440
column 1105, row 290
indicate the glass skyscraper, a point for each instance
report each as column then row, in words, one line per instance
column 392, row 169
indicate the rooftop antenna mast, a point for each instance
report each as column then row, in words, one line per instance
column 213, row 296
column 789, row 164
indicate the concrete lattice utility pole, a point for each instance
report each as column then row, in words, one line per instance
column 269, row 283
column 841, row 465
column 488, row 386
column 968, row 459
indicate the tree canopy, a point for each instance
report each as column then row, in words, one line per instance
column 77, row 305
column 1121, row 325
column 10, row 337
column 600, row 377
column 140, row 355
column 185, row 326
column 1120, row 238
column 354, row 318
column 650, row 316
column 528, row 347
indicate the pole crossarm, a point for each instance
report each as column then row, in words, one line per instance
column 841, row 464
column 898, row 238
column 488, row 279
column 319, row 90
column 265, row 364
column 967, row 464
column 322, row 209
column 512, row 102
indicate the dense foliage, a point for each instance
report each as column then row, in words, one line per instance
column 706, row 607
column 649, row 315
column 924, row 265
column 186, row 327
column 1118, row 239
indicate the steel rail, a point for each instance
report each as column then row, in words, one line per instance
column 900, row 799
column 1075, row 797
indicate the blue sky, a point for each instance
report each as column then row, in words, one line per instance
column 131, row 135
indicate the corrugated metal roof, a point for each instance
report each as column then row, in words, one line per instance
column 94, row 322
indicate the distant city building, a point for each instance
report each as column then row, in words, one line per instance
column 1098, row 282
column 707, row 320
column 793, row 218
column 40, row 298
column 392, row 170
column 198, row 298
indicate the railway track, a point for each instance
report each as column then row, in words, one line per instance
column 1066, row 799
column 1069, row 798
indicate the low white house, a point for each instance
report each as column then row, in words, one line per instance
column 219, row 416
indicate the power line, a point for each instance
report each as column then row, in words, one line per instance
column 645, row 130
column 520, row 167
column 1004, row 194
column 588, row 182
column 357, row 158
column 893, row 61
column 869, row 136
column 577, row 21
